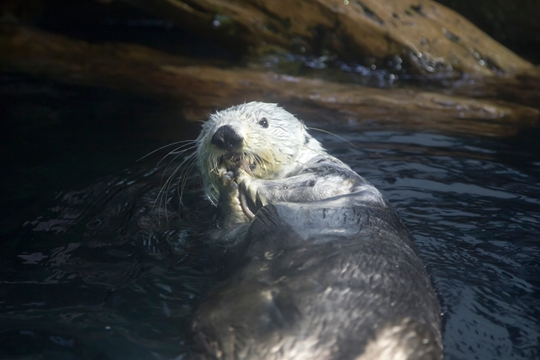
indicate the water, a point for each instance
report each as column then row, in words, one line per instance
column 92, row 267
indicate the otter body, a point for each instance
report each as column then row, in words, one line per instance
column 323, row 267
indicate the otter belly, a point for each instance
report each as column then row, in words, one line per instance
column 329, row 279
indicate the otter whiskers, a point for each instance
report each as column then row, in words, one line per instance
column 183, row 170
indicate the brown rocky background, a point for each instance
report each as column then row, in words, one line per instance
column 402, row 63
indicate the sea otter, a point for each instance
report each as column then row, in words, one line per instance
column 322, row 266
column 257, row 153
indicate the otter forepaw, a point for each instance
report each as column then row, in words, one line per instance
column 252, row 189
column 228, row 190
column 227, row 177
column 227, row 181
column 229, row 209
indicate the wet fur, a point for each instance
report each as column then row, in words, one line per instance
column 331, row 279
column 291, row 166
column 326, row 270
column 279, row 150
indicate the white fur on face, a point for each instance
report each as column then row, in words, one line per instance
column 277, row 150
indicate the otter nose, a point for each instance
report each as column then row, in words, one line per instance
column 226, row 138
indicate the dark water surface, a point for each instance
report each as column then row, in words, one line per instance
column 92, row 267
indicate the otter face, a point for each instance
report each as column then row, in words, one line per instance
column 262, row 139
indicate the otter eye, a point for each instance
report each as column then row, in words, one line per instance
column 264, row 123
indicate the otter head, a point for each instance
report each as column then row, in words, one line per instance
column 264, row 140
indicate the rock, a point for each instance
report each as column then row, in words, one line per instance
column 522, row 88
column 427, row 36
column 200, row 88
column 513, row 23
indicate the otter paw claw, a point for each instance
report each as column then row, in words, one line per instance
column 250, row 188
column 227, row 178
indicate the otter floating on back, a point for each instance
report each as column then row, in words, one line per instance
column 269, row 154
column 324, row 268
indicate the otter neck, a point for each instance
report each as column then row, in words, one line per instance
column 312, row 151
